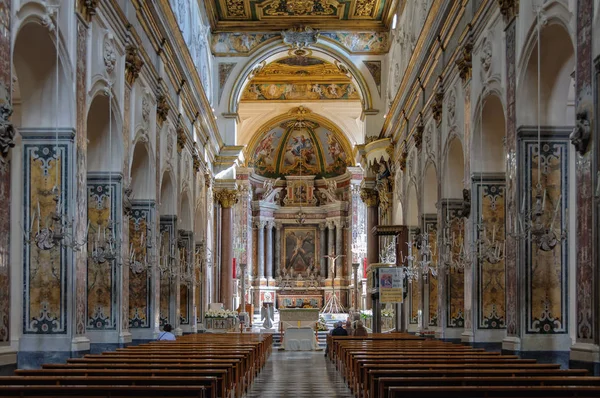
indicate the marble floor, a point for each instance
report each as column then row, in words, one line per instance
column 298, row 374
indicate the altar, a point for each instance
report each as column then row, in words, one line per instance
column 298, row 317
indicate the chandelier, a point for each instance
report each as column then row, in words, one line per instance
column 458, row 254
column 58, row 228
column 533, row 224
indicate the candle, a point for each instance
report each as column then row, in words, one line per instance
column 555, row 212
column 494, row 233
column 523, row 205
column 544, row 201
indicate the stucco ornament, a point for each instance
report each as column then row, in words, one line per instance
column 146, row 110
column 486, row 56
column 451, row 109
column 109, row 55
column 582, row 132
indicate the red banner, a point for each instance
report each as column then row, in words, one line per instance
column 365, row 268
column 234, row 269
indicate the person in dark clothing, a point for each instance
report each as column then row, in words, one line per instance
column 337, row 331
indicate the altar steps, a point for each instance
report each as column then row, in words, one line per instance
column 322, row 339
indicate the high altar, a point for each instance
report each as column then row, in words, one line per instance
column 300, row 197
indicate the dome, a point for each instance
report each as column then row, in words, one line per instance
column 299, row 143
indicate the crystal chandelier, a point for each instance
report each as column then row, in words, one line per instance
column 533, row 224
column 58, row 228
column 458, row 254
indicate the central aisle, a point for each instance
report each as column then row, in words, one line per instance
column 298, row 374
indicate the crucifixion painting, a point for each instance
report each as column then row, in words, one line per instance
column 300, row 249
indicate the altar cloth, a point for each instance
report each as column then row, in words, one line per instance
column 300, row 339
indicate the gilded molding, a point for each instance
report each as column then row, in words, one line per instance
column 437, row 105
column 227, row 198
column 369, row 196
column 133, row 64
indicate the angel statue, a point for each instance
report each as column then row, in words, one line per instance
column 266, row 315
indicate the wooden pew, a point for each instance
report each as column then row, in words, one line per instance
column 496, row 391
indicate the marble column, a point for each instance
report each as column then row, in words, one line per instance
column 339, row 249
column 278, row 266
column 371, row 199
column 586, row 351
column 269, row 251
column 323, row 253
column 227, row 198
column 512, row 341
column 260, row 249
column 330, row 247
column 5, row 178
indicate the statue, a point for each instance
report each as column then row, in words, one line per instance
column 266, row 315
column 269, row 186
column 580, row 136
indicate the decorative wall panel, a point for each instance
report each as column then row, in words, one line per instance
column 456, row 277
column 166, row 259
column 546, row 271
column 431, row 230
column 186, row 262
column 140, row 228
column 45, row 271
column 102, row 294
column 491, row 277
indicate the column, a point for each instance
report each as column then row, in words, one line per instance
column 586, row 352
column 330, row 248
column 227, row 198
column 260, row 249
column 269, row 249
column 323, row 253
column 278, row 266
column 6, row 161
column 512, row 341
column 339, row 249
column 371, row 199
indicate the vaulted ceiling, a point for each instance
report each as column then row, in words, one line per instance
column 275, row 15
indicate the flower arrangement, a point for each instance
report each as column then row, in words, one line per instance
column 366, row 314
column 221, row 314
column 321, row 325
column 387, row 313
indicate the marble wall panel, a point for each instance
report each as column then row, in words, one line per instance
column 140, row 227
column 167, row 253
column 46, row 166
column 455, row 277
column 102, row 292
column 491, row 277
column 546, row 271
column 431, row 230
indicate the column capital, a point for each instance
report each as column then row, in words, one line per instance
column 322, row 226
column 260, row 224
column 369, row 196
column 330, row 224
column 278, row 225
column 227, row 197
column 270, row 224
column 509, row 9
column 133, row 64
column 464, row 61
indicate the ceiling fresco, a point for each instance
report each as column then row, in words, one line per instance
column 241, row 15
column 300, row 78
column 299, row 144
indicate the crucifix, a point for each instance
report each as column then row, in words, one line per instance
column 333, row 306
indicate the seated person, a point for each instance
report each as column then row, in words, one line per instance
column 360, row 330
column 166, row 334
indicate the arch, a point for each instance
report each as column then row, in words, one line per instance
column 412, row 207
column 556, row 88
column 34, row 61
column 267, row 151
column 167, row 195
column 430, row 189
column 454, row 164
column 185, row 213
column 142, row 172
column 105, row 149
column 489, row 154
column 278, row 51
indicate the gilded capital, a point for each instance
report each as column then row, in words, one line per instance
column 369, row 196
column 509, row 9
column 133, row 64
column 465, row 60
column 227, row 197
column 87, row 8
